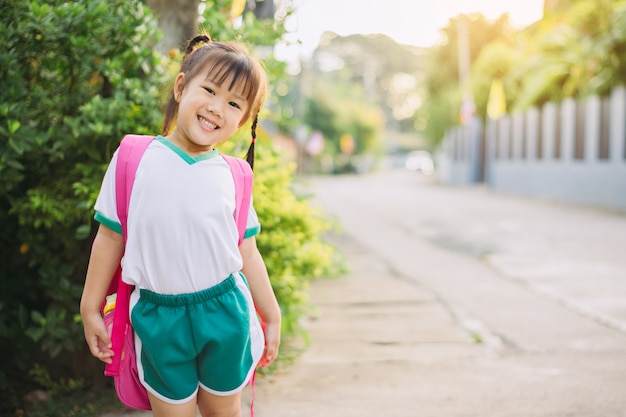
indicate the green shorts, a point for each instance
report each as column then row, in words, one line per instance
column 211, row 339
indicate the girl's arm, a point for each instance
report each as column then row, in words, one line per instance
column 264, row 299
column 106, row 252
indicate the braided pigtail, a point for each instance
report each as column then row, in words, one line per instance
column 250, row 154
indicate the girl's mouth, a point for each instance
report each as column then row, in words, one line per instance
column 204, row 122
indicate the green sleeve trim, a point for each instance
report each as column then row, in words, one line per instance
column 252, row 231
column 111, row 224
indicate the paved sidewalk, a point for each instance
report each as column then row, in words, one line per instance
column 380, row 346
column 385, row 346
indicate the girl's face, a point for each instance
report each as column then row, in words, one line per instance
column 208, row 113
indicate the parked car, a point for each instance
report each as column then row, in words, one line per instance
column 420, row 161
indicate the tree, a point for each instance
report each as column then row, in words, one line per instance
column 573, row 52
column 388, row 72
column 576, row 50
column 359, row 88
column 179, row 19
column 338, row 105
column 443, row 91
column 495, row 62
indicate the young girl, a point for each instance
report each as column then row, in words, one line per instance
column 198, row 337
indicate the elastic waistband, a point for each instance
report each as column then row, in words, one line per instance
column 180, row 300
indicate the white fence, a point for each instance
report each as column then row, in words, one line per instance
column 572, row 152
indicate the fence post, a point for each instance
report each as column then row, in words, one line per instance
column 532, row 134
column 549, row 131
column 491, row 151
column 617, row 127
column 504, row 137
column 568, row 129
column 592, row 129
column 475, row 153
column 518, row 136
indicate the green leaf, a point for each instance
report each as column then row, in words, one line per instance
column 35, row 333
column 37, row 317
column 101, row 8
column 13, row 126
column 16, row 146
column 82, row 232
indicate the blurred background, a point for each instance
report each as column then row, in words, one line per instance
column 525, row 97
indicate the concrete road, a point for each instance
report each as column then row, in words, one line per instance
column 539, row 276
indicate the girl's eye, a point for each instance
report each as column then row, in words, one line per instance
column 209, row 90
column 235, row 105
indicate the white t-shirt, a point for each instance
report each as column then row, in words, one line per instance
column 182, row 235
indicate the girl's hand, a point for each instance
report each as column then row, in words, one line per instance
column 97, row 337
column 272, row 342
column 264, row 299
column 106, row 253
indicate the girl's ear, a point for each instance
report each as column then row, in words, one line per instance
column 179, row 86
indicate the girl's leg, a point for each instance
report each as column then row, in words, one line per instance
column 218, row 406
column 163, row 409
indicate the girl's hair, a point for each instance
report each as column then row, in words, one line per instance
column 226, row 63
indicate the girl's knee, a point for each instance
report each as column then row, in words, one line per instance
column 163, row 409
column 219, row 406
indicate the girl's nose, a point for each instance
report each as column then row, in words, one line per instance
column 216, row 107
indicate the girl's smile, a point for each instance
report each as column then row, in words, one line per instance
column 207, row 124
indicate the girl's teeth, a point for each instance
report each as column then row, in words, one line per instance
column 207, row 124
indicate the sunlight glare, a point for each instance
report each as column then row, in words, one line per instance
column 522, row 12
column 409, row 22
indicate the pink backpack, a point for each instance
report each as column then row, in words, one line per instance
column 123, row 368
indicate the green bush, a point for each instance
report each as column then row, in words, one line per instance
column 75, row 76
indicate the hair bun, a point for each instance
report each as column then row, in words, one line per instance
column 195, row 41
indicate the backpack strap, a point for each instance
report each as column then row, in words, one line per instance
column 129, row 154
column 243, row 177
column 131, row 150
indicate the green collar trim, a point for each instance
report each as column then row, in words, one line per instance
column 186, row 157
